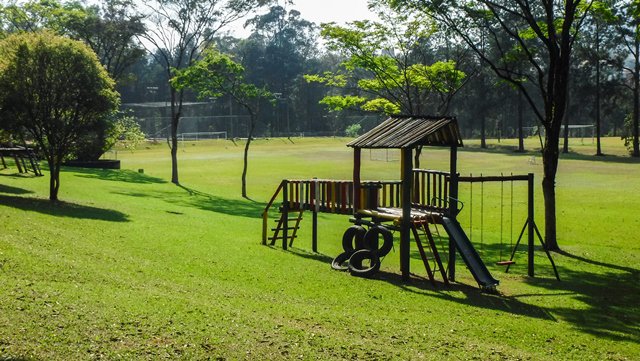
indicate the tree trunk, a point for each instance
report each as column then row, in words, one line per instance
column 175, row 120
column 520, row 124
column 483, row 131
column 550, row 156
column 598, row 121
column 416, row 157
column 54, row 180
column 245, row 164
column 565, row 145
column 636, row 99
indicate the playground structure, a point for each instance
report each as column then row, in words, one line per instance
column 421, row 199
column 24, row 158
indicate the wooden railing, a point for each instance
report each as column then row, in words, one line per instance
column 430, row 189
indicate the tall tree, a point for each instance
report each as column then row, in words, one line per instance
column 628, row 24
column 541, row 31
column 110, row 29
column 55, row 89
column 287, row 42
column 217, row 75
column 177, row 31
column 384, row 70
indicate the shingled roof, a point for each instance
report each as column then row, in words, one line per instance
column 410, row 132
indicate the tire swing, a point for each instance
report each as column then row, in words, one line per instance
column 371, row 240
column 352, row 240
column 372, row 252
column 356, row 266
column 340, row 262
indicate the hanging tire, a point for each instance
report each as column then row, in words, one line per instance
column 340, row 263
column 353, row 239
column 371, row 240
column 356, row 266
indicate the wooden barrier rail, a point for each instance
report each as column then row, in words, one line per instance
column 430, row 189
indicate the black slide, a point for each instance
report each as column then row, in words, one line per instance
column 469, row 254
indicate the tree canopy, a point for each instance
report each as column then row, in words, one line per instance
column 56, row 90
column 385, row 69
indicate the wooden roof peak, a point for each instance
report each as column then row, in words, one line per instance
column 410, row 131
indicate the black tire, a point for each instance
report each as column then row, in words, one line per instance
column 356, row 268
column 340, row 263
column 371, row 240
column 353, row 239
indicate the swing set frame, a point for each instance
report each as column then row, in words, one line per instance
column 529, row 225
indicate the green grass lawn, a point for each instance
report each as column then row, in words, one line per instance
column 130, row 266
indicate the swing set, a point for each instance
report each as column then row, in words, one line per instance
column 529, row 224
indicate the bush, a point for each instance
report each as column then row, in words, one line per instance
column 353, row 130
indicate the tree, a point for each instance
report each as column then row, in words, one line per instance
column 217, row 75
column 110, row 29
column 542, row 32
column 176, row 33
column 287, row 42
column 384, row 69
column 56, row 90
column 628, row 24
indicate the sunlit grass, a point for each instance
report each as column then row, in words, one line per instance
column 131, row 266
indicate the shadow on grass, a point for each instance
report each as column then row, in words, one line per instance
column 611, row 299
column 62, row 209
column 13, row 190
column 472, row 296
column 118, row 175
column 513, row 151
column 235, row 207
column 208, row 202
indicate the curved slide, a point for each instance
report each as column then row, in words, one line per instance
column 469, row 254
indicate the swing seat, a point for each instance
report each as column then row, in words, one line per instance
column 505, row 263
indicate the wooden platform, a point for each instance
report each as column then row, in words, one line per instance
column 418, row 215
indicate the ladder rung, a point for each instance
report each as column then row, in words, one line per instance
column 288, row 219
column 280, row 237
column 279, row 229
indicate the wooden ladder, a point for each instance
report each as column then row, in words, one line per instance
column 278, row 231
column 420, row 229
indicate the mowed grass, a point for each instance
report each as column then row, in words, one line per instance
column 130, row 266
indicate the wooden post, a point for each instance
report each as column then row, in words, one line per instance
column 405, row 230
column 314, row 218
column 453, row 206
column 531, row 224
column 356, row 179
column 285, row 215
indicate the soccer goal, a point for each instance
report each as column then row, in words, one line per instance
column 202, row 136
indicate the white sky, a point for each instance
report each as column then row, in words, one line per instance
column 322, row 11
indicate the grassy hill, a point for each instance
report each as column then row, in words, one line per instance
column 130, row 266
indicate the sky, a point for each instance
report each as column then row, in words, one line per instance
column 323, row 11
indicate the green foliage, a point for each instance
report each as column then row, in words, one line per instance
column 115, row 128
column 215, row 75
column 381, row 105
column 128, row 134
column 56, row 90
column 384, row 70
column 353, row 130
column 109, row 30
column 342, row 102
